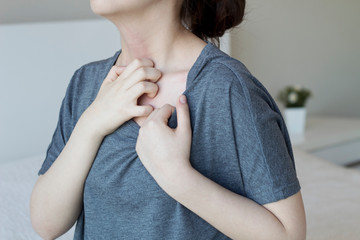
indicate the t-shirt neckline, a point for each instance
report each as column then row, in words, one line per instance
column 190, row 81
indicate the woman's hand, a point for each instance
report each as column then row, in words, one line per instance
column 165, row 152
column 116, row 101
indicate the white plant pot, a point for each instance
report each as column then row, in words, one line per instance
column 295, row 119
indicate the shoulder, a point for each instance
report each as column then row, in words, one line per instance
column 85, row 83
column 93, row 70
column 214, row 59
column 222, row 72
column 89, row 77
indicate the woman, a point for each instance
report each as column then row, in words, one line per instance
column 125, row 165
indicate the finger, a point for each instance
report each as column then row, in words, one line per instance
column 141, row 74
column 145, row 87
column 120, row 69
column 183, row 115
column 143, row 111
column 164, row 113
column 136, row 64
column 114, row 73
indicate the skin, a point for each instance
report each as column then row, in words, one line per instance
column 145, row 84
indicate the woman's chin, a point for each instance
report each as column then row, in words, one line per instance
column 101, row 8
column 115, row 7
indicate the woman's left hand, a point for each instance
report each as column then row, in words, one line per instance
column 165, row 152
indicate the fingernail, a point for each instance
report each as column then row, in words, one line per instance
column 183, row 99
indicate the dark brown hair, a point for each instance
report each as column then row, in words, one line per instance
column 209, row 19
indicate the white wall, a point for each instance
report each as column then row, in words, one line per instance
column 312, row 43
column 36, row 64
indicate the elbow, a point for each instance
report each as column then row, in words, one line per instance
column 51, row 216
column 42, row 228
column 45, row 228
column 40, row 225
column 297, row 236
column 40, row 219
column 46, row 235
column 300, row 234
column 296, row 233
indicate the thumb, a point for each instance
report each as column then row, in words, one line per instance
column 183, row 115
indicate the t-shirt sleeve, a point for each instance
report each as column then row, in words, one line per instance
column 63, row 129
column 265, row 155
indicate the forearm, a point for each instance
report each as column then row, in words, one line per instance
column 230, row 213
column 56, row 200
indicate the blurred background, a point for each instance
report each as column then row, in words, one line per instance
column 311, row 43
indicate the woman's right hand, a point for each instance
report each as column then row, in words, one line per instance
column 117, row 99
column 59, row 192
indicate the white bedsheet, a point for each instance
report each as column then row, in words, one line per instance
column 17, row 179
column 331, row 196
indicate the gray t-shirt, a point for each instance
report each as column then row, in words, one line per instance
column 239, row 141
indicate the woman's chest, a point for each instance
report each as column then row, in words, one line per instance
column 170, row 87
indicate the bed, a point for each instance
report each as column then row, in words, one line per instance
column 17, row 179
column 331, row 196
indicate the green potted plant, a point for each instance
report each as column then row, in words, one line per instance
column 294, row 99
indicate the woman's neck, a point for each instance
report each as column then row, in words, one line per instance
column 158, row 44
column 159, row 36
